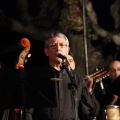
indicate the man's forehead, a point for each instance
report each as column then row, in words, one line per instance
column 115, row 64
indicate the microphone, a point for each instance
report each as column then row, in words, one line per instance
column 102, row 87
column 61, row 56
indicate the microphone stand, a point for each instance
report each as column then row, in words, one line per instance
column 72, row 86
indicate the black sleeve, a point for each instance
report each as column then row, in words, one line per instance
column 88, row 106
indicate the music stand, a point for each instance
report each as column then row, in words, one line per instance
column 28, row 88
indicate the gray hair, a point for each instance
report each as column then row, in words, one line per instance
column 53, row 35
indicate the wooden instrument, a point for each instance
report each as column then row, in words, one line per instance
column 24, row 42
column 99, row 74
column 12, row 114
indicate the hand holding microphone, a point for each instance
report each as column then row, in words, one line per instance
column 64, row 58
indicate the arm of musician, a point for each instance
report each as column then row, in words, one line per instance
column 89, row 82
column 114, row 100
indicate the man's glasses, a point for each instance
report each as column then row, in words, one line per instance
column 54, row 45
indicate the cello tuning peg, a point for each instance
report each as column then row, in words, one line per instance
column 96, row 68
column 29, row 55
column 26, row 60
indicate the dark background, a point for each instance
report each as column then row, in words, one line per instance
column 9, row 48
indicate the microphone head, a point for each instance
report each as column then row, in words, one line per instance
column 61, row 56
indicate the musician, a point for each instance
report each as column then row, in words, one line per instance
column 67, row 106
column 70, row 61
column 108, row 98
column 114, row 72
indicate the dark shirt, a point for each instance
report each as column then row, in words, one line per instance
column 88, row 106
column 105, row 99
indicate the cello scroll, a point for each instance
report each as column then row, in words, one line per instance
column 24, row 42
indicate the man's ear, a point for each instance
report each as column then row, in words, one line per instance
column 46, row 51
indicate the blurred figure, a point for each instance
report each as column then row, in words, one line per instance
column 70, row 61
column 108, row 98
column 114, row 72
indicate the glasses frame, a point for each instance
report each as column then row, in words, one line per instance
column 54, row 45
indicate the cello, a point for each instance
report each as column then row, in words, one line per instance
column 24, row 42
column 12, row 114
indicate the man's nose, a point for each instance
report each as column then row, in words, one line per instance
column 58, row 46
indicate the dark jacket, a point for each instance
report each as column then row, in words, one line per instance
column 71, row 103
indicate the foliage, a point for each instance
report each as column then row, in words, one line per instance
column 71, row 16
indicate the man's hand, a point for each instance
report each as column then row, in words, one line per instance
column 89, row 82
